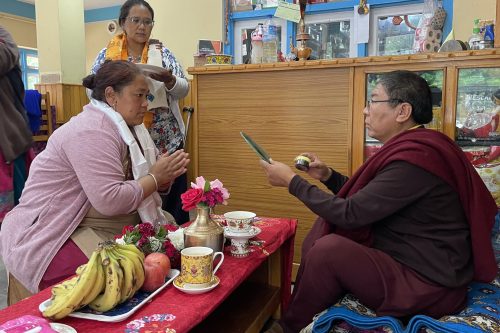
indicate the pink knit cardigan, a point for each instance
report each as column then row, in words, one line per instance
column 81, row 167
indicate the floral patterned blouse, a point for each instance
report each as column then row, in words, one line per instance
column 165, row 130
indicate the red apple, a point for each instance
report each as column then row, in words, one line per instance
column 154, row 277
column 161, row 259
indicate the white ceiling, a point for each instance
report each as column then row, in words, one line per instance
column 92, row 4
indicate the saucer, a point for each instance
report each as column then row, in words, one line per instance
column 254, row 231
column 62, row 328
column 194, row 290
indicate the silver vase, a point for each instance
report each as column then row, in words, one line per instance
column 204, row 231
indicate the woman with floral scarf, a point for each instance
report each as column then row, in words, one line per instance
column 167, row 87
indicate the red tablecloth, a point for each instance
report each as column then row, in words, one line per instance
column 174, row 311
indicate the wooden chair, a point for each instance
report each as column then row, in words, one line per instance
column 46, row 128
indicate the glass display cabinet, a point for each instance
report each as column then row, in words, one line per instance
column 478, row 110
column 329, row 39
column 476, row 122
column 243, row 41
column 392, row 29
column 332, row 35
column 466, row 107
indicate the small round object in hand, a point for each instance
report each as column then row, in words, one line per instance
column 302, row 162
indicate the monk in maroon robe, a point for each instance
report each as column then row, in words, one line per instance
column 408, row 232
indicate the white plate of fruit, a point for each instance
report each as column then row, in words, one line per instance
column 115, row 283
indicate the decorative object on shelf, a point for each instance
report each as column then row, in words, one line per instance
column 301, row 51
column 397, row 20
column 429, row 32
column 219, row 59
column 408, row 24
column 168, row 239
column 203, row 196
column 363, row 8
column 437, row 21
column 452, row 45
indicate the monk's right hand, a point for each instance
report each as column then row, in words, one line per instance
column 278, row 174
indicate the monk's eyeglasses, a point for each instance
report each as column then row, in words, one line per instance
column 137, row 21
column 371, row 101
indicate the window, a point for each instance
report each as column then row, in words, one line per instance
column 243, row 42
column 331, row 36
column 29, row 67
column 390, row 29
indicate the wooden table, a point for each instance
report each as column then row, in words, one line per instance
column 251, row 289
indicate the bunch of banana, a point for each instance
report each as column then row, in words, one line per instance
column 77, row 292
column 112, row 275
column 124, row 271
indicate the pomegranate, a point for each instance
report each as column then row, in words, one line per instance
column 154, row 276
column 161, row 259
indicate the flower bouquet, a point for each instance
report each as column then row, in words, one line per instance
column 204, row 194
column 168, row 239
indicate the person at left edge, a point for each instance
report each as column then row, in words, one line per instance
column 167, row 88
column 15, row 135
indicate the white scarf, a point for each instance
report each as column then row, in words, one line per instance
column 150, row 208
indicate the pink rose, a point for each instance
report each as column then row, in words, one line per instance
column 200, row 183
column 191, row 198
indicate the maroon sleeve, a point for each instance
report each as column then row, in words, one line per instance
column 393, row 188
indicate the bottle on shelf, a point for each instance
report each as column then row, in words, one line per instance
column 489, row 36
column 257, row 50
column 475, row 38
column 270, row 41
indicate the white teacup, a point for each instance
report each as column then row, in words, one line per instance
column 197, row 266
column 239, row 221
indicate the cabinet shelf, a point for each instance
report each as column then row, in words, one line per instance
column 469, row 142
column 245, row 311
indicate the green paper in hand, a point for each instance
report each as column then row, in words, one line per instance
column 256, row 148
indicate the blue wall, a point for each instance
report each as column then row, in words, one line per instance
column 27, row 10
column 102, row 14
column 17, row 8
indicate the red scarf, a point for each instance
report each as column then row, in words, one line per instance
column 439, row 155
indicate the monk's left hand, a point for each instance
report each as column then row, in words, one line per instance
column 278, row 174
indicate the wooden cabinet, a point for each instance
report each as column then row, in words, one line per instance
column 290, row 108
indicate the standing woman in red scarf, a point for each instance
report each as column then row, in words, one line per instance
column 168, row 86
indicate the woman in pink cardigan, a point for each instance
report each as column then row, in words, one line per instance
column 99, row 172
